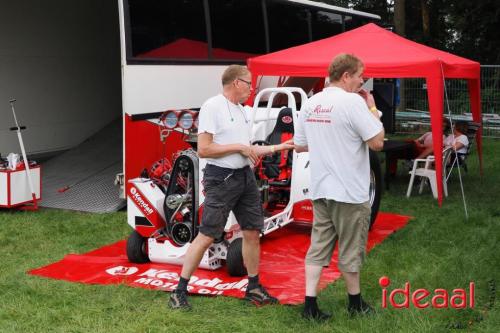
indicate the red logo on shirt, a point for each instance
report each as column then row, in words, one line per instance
column 319, row 110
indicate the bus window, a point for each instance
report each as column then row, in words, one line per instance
column 237, row 29
column 325, row 24
column 168, row 29
column 352, row 22
column 176, row 30
column 288, row 25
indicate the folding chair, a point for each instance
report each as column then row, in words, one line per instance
column 427, row 172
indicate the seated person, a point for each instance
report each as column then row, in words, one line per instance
column 458, row 140
column 423, row 145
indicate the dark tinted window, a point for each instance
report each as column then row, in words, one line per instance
column 325, row 24
column 237, row 29
column 176, row 29
column 168, row 29
column 288, row 25
column 352, row 22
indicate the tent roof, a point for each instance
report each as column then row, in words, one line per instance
column 384, row 54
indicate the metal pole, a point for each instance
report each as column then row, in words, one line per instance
column 454, row 149
column 23, row 151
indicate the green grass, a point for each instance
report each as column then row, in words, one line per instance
column 437, row 249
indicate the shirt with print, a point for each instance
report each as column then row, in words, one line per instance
column 335, row 126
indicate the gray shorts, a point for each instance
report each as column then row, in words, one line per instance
column 229, row 190
column 347, row 223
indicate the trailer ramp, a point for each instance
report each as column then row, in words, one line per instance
column 82, row 178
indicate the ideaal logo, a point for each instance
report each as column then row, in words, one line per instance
column 440, row 298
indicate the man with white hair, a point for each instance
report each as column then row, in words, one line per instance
column 338, row 126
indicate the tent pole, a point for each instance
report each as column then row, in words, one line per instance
column 454, row 148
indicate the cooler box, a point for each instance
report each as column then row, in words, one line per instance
column 15, row 189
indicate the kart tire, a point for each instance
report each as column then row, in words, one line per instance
column 376, row 177
column 137, row 248
column 234, row 259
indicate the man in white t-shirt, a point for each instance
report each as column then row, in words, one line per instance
column 224, row 134
column 338, row 126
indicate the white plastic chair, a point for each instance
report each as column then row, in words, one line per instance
column 428, row 172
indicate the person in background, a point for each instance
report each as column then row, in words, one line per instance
column 457, row 139
column 423, row 145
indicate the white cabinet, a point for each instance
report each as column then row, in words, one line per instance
column 15, row 189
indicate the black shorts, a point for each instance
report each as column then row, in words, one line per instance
column 229, row 190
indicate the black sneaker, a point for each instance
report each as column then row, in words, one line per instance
column 178, row 300
column 260, row 296
column 316, row 315
column 363, row 310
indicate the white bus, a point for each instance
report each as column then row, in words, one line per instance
column 174, row 51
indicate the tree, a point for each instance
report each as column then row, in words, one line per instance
column 473, row 31
column 400, row 27
column 400, row 17
column 463, row 27
column 424, row 7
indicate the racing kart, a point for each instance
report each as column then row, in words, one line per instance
column 165, row 204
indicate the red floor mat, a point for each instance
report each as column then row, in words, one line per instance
column 281, row 269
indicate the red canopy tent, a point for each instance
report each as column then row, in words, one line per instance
column 385, row 55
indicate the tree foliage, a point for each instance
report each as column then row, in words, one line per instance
column 473, row 29
column 463, row 27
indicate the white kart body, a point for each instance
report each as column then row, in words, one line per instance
column 146, row 200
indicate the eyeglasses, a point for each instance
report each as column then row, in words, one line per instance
column 247, row 82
